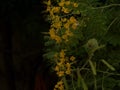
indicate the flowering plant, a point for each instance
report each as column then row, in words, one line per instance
column 71, row 44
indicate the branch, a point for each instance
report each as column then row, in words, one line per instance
column 107, row 6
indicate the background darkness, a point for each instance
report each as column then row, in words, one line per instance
column 21, row 43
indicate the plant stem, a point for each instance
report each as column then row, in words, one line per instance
column 95, row 83
column 65, row 83
column 107, row 6
column 73, row 82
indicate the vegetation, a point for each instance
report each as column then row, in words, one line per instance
column 82, row 45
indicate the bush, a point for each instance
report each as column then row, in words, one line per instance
column 82, row 45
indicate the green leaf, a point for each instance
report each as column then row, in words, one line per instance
column 108, row 65
column 49, row 55
column 81, row 80
column 93, row 68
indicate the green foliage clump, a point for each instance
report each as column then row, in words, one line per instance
column 95, row 45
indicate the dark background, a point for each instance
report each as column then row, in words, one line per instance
column 21, row 43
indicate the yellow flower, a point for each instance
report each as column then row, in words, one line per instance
column 51, row 14
column 59, row 85
column 58, row 39
column 56, row 86
column 57, row 68
column 63, row 19
column 60, row 73
column 48, row 9
column 52, row 33
column 67, row 25
column 60, row 64
column 74, row 26
column 54, row 36
column 67, row 3
column 75, row 4
column 68, row 71
column 68, row 65
column 62, row 53
column 72, row 58
column 48, row 3
column 72, row 19
column 62, row 60
column 55, row 89
column 57, row 25
column 56, row 9
column 65, row 10
column 61, row 3
column 60, row 82
column 56, row 18
column 69, row 33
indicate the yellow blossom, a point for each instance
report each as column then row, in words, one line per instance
column 68, row 65
column 48, row 3
column 58, row 39
column 68, row 71
column 74, row 26
column 72, row 58
column 62, row 60
column 57, row 68
column 56, row 25
column 72, row 19
column 52, row 33
column 75, row 4
column 65, row 10
column 68, row 68
column 67, row 3
column 67, row 25
column 56, row 9
column 60, row 82
column 55, row 88
column 60, row 64
column 59, row 85
column 61, row 3
column 63, row 19
column 54, row 36
column 60, row 73
column 51, row 13
column 62, row 53
column 48, row 9
column 69, row 33
column 56, row 18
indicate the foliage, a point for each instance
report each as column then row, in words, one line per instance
column 83, row 45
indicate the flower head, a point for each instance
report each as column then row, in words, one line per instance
column 75, row 4
column 60, row 73
column 72, row 58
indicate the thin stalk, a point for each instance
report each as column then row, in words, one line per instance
column 65, row 83
column 103, row 82
column 107, row 6
column 95, row 83
column 73, row 82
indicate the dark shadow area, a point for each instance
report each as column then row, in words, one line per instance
column 21, row 45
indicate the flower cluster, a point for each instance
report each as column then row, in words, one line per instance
column 59, row 22
column 61, row 29
column 63, row 66
column 59, row 85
